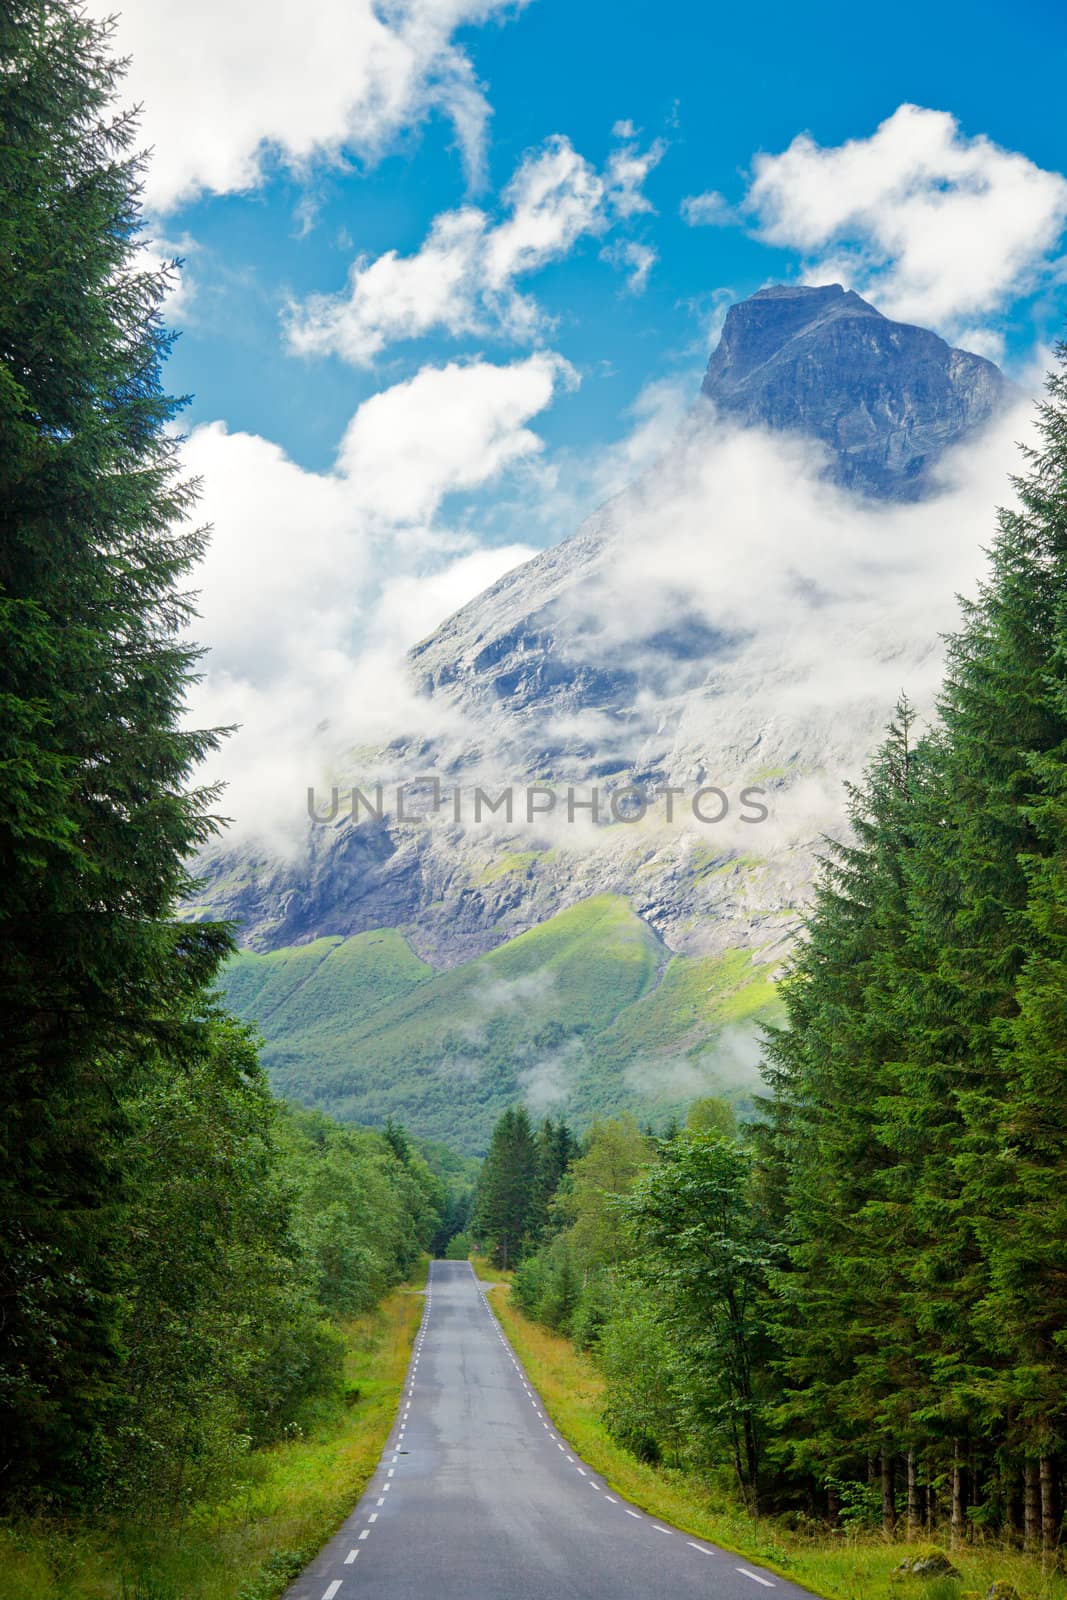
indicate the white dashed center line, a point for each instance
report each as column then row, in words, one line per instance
column 332, row 1590
column 350, row 1557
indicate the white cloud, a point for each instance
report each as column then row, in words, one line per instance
column 628, row 167
column 316, row 583
column 710, row 210
column 635, row 258
column 936, row 227
column 227, row 89
column 446, row 429
column 462, row 280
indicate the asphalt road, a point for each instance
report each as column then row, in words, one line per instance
column 477, row 1497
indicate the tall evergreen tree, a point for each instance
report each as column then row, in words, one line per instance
column 842, row 1189
column 505, row 1209
column 96, row 815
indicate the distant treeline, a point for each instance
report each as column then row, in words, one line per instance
column 861, row 1302
column 176, row 1249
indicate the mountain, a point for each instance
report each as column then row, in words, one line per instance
column 885, row 398
column 741, row 617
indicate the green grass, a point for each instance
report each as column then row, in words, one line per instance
column 250, row 1545
column 839, row 1567
column 519, row 861
column 585, row 1014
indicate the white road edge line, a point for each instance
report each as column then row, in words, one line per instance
column 700, row 1547
column 766, row 1582
column 630, row 1513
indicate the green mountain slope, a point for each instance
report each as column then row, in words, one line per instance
column 586, row 1013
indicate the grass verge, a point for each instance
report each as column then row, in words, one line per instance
column 292, row 1498
column 849, row 1566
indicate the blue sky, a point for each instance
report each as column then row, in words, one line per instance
column 454, row 268
column 717, row 83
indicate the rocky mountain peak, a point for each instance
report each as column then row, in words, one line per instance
column 885, row 398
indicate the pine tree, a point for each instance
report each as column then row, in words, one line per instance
column 96, row 816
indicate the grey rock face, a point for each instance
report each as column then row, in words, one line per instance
column 887, row 399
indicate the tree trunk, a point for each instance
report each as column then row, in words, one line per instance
column 889, row 1504
column 1049, row 1528
column 914, row 1508
column 833, row 1507
column 1031, row 1505
column 958, row 1525
column 931, row 1502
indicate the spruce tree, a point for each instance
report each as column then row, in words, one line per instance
column 840, row 1189
column 506, row 1205
column 97, row 819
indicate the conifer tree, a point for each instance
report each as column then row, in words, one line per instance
column 97, row 818
column 842, row 1188
column 506, row 1204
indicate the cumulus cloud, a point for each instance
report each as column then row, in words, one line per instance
column 462, row 279
column 316, row 583
column 446, row 429
column 936, row 227
column 228, row 90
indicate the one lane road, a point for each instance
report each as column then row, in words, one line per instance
column 478, row 1497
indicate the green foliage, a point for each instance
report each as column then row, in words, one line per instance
column 97, row 814
column 365, row 1207
column 614, row 1154
column 506, row 1201
column 703, row 1259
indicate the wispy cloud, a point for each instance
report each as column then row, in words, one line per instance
column 709, row 210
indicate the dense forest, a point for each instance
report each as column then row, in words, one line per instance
column 859, row 1302
column 178, row 1249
